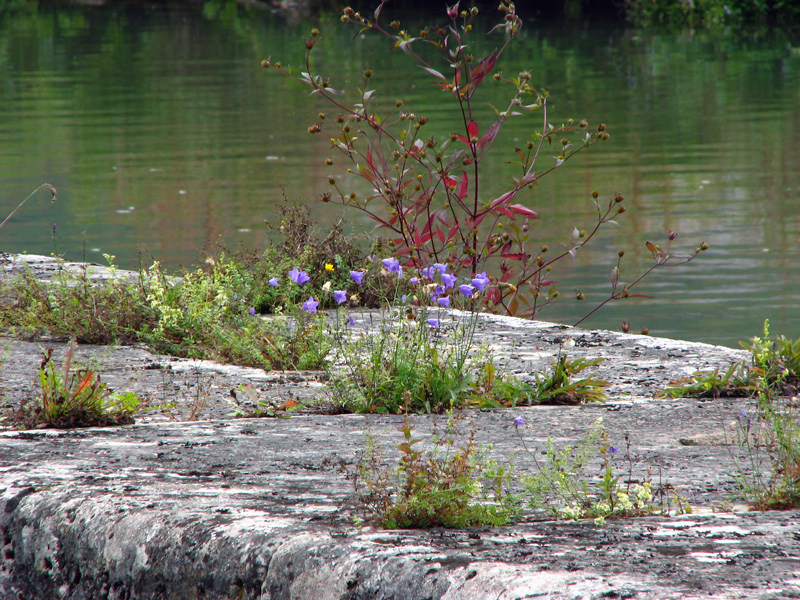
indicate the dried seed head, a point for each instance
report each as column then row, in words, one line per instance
column 583, row 124
column 618, row 198
column 621, row 253
column 601, row 127
column 368, row 73
column 329, row 161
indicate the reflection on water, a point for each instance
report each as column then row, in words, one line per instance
column 161, row 132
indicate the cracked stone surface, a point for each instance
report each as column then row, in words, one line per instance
column 218, row 507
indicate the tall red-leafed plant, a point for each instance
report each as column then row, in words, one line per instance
column 426, row 193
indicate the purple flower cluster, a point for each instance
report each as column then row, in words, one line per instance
column 435, row 280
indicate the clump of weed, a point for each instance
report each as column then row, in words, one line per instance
column 299, row 245
column 453, row 484
column 73, row 305
column 561, row 486
column 73, row 396
column 773, row 368
column 768, row 473
column 558, row 387
column 418, row 345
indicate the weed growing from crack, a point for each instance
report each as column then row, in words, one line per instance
column 420, row 354
column 73, row 396
column 453, row 484
column 769, row 437
column 561, row 487
column 773, row 368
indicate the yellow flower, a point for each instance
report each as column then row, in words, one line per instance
column 328, row 267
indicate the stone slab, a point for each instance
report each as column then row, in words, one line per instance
column 192, row 503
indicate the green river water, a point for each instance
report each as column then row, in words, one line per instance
column 162, row 133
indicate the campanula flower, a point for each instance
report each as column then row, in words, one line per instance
column 449, row 280
column 393, row 266
column 466, row 289
column 351, row 321
column 519, row 421
column 252, row 311
column 340, row 296
column 433, row 323
column 613, row 450
column 414, row 280
column 443, row 301
column 480, row 281
column 310, row 305
column 440, row 267
column 298, row 276
column 357, row 276
column 428, row 273
column 273, row 282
